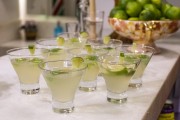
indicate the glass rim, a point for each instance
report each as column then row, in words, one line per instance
column 74, row 33
column 143, row 46
column 42, row 40
column 24, row 48
column 72, row 70
column 136, row 61
column 99, row 40
column 71, row 49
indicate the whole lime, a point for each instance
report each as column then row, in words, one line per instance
column 149, row 6
column 133, row 8
column 143, row 2
column 122, row 3
column 121, row 14
column 158, row 3
column 147, row 15
column 165, row 7
column 113, row 11
column 154, row 9
column 173, row 13
column 158, row 14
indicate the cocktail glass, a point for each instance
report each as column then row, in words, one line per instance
column 117, row 75
column 145, row 32
column 63, row 80
column 89, row 80
column 93, row 25
column 111, row 45
column 56, row 52
column 73, row 39
column 25, row 63
column 144, row 53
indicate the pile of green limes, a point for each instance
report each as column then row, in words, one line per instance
column 145, row 10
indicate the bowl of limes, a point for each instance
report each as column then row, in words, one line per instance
column 145, row 21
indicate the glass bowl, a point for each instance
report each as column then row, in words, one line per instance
column 145, row 32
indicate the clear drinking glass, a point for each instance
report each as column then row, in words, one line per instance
column 72, row 27
column 94, row 26
column 89, row 80
column 144, row 53
column 117, row 76
column 63, row 80
column 56, row 52
column 25, row 63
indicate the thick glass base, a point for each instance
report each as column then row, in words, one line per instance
column 88, row 86
column 62, row 107
column 116, row 98
column 30, row 89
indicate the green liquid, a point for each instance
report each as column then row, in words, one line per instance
column 27, row 69
column 118, row 81
column 140, row 69
column 57, row 54
column 62, row 83
column 92, row 70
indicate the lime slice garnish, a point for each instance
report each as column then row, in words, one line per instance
column 91, row 57
column 106, row 39
column 20, row 60
column 58, row 72
column 77, row 61
column 121, row 57
column 74, row 40
column 116, row 68
column 36, row 60
column 55, row 50
column 31, row 49
column 60, row 41
column 84, row 34
column 88, row 48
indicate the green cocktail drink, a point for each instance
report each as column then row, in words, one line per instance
column 117, row 75
column 90, row 56
column 107, row 44
column 72, row 39
column 144, row 53
column 63, row 79
column 56, row 52
column 25, row 64
column 27, row 68
column 89, row 80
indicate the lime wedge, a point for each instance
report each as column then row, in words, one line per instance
column 60, row 41
column 31, row 49
column 84, row 34
column 73, row 40
column 88, row 48
column 91, row 57
column 36, row 60
column 77, row 61
column 121, row 57
column 116, row 68
column 106, row 40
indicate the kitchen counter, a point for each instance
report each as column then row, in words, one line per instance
column 143, row 104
